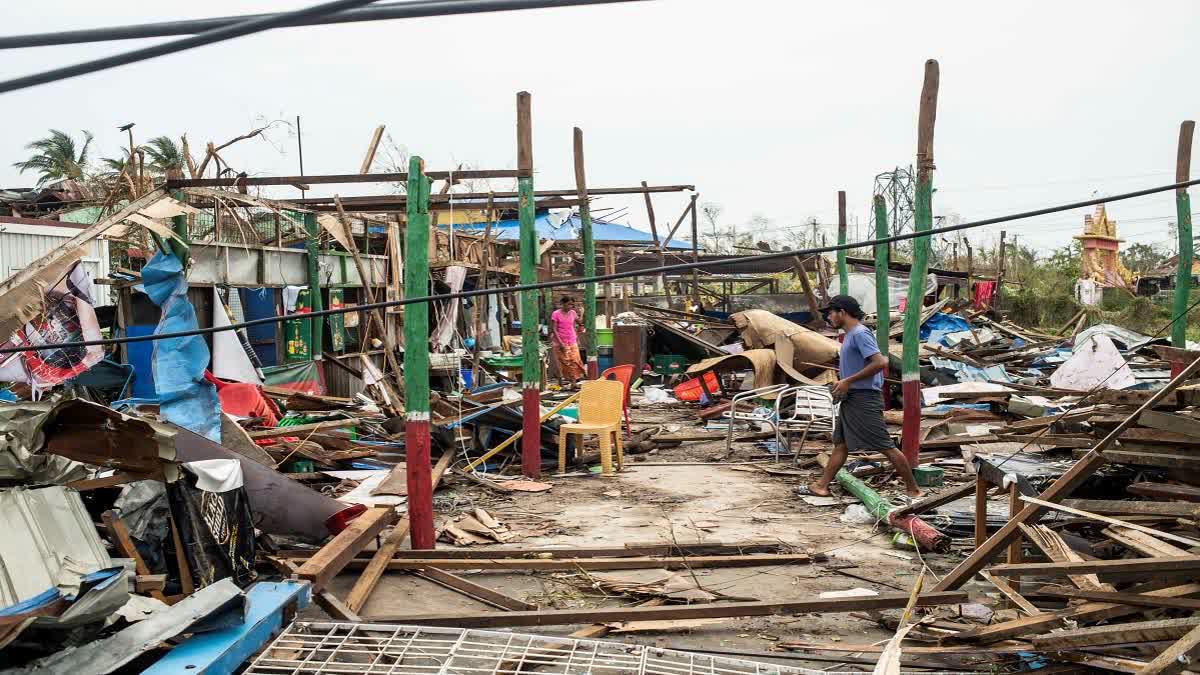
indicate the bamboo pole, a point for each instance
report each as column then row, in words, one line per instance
column 843, row 272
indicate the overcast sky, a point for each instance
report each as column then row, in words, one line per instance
column 768, row 108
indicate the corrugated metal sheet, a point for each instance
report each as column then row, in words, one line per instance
column 48, row 539
column 340, row 383
column 22, row 244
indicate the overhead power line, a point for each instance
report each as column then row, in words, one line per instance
column 381, row 12
column 681, row 267
column 209, row 31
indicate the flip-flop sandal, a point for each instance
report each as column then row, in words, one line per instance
column 805, row 491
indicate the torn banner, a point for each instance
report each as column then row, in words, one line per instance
column 185, row 397
column 68, row 317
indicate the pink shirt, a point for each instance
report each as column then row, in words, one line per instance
column 564, row 326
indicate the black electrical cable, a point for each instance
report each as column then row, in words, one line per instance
column 383, row 12
column 681, row 267
column 208, row 37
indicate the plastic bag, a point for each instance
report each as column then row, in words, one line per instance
column 857, row 514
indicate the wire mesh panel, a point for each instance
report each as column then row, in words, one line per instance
column 307, row 648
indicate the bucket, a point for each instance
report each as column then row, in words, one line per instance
column 604, row 337
column 690, row 390
column 466, row 377
column 929, row 476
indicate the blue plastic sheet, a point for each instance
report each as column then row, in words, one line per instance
column 941, row 324
column 185, row 397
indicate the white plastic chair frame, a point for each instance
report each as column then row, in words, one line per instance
column 813, row 411
column 733, row 416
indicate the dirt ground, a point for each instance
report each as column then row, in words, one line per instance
column 677, row 494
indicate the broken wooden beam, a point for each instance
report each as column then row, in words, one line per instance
column 473, row 590
column 933, row 501
column 301, row 429
column 629, row 550
column 1117, row 634
column 1120, row 507
column 636, row 563
column 1173, row 659
column 340, row 550
column 1135, row 599
column 1148, row 567
column 558, row 617
column 1185, row 493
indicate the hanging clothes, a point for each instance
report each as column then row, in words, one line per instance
column 985, row 292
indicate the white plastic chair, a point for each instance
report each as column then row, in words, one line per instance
column 750, row 416
column 813, row 411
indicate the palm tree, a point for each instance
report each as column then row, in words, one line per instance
column 57, row 157
column 164, row 154
column 113, row 176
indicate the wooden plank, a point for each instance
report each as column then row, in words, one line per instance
column 1147, row 566
column 1185, row 493
column 473, row 590
column 1091, row 611
column 1160, row 459
column 1052, row 440
column 629, row 550
column 340, row 550
column 175, row 184
column 1117, row 634
column 1058, row 490
column 636, row 563
column 387, row 550
column 301, row 429
column 1120, row 506
column 119, row 534
column 1172, row 659
column 1135, row 599
column 329, row 602
column 1169, row 422
column 1114, row 521
column 558, row 617
column 1009, row 592
column 1143, row 543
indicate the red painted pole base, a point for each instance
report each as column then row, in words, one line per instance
column 923, row 533
column 531, row 440
column 1177, row 368
column 420, row 483
column 910, row 436
column 593, row 368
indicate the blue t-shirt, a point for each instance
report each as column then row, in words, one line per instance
column 857, row 346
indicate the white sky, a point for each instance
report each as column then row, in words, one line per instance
column 767, row 107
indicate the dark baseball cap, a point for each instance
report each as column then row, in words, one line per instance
column 845, row 303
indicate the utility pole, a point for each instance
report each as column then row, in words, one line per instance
column 589, row 260
column 910, row 441
column 531, row 371
column 1183, row 211
column 1000, row 271
column 416, row 359
column 843, row 273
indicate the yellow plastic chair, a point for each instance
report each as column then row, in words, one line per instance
column 600, row 404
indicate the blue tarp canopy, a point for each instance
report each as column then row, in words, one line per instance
column 602, row 230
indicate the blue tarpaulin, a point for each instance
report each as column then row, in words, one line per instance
column 568, row 230
column 185, row 397
column 940, row 324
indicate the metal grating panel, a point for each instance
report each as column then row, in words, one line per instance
column 307, row 648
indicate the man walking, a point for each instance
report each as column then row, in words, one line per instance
column 859, row 425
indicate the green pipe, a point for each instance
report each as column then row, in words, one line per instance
column 883, row 309
column 314, row 282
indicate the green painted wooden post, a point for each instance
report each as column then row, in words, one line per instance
column 843, row 272
column 179, row 224
column 910, row 437
column 589, row 261
column 416, row 359
column 314, row 282
column 883, row 308
column 531, row 371
column 1183, row 211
